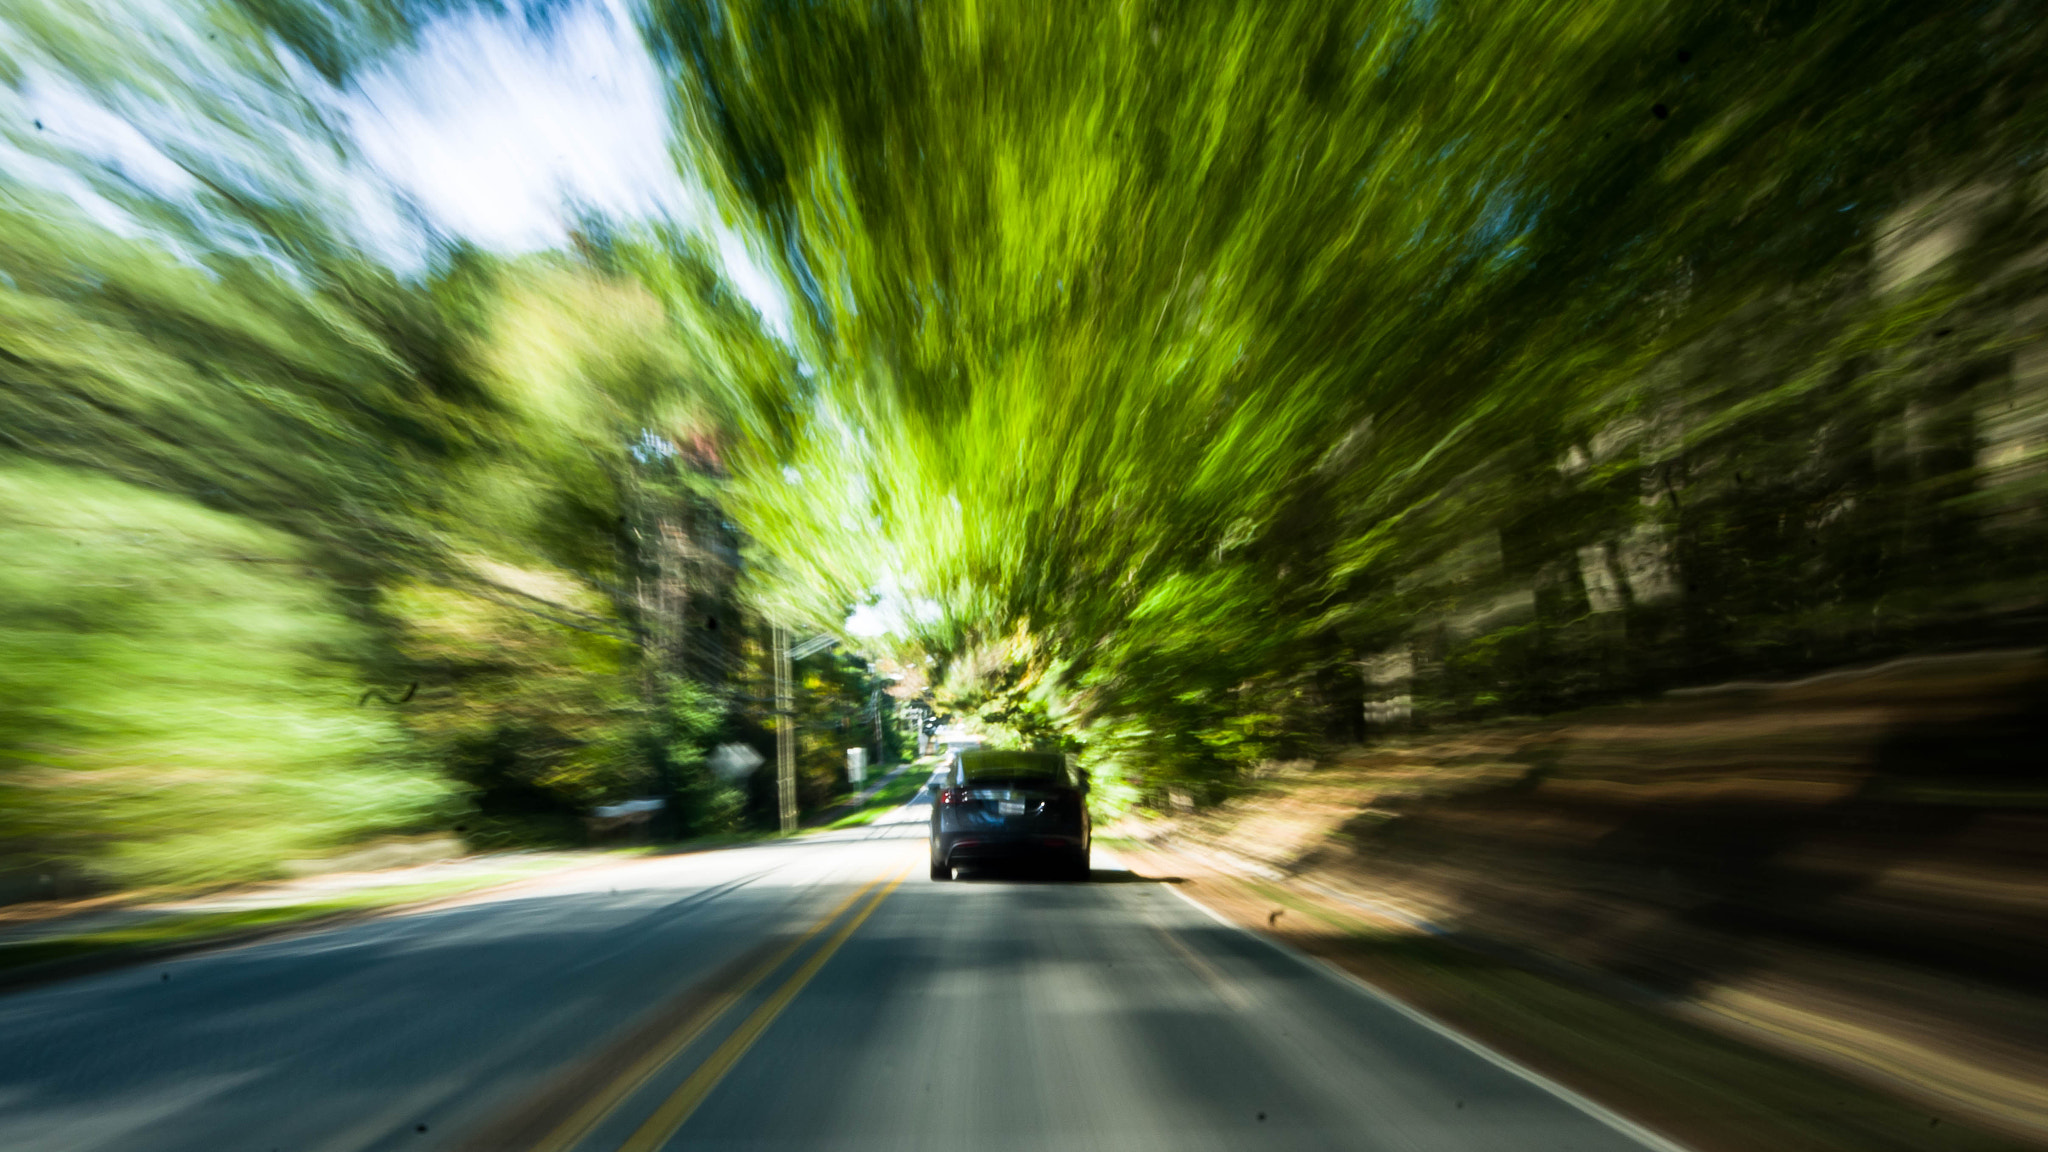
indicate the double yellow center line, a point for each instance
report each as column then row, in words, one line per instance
column 669, row 1117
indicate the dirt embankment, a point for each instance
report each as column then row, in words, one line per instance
column 1851, row 869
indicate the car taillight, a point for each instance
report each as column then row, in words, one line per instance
column 948, row 796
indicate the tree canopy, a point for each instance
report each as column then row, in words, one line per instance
column 1176, row 357
column 1185, row 384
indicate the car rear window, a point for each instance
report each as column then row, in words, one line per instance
column 1023, row 767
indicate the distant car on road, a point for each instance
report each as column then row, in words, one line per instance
column 1011, row 807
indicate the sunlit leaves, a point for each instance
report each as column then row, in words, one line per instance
column 180, row 692
column 1180, row 336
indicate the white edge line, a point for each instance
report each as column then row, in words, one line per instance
column 1597, row 1111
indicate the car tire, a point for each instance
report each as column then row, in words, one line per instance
column 941, row 871
column 1077, row 867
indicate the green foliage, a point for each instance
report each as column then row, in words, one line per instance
column 536, row 717
column 886, row 798
column 177, row 702
column 1191, row 382
column 416, row 498
column 835, row 697
column 687, row 722
column 1213, row 348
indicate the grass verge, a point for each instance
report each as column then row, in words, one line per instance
column 890, row 795
column 57, row 956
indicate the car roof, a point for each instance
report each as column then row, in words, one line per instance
column 990, row 762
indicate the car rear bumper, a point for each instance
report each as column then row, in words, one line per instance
column 959, row 849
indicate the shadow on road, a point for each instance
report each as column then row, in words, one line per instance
column 1027, row 873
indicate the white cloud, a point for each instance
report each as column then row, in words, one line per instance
column 501, row 134
column 496, row 130
column 892, row 615
column 869, row 620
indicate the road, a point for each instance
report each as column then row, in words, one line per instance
column 813, row 994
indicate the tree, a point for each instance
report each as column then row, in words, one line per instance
column 1213, row 347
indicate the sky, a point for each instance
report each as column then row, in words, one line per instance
column 497, row 130
column 500, row 132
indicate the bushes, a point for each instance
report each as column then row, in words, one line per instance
column 178, row 698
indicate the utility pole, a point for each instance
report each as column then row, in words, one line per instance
column 786, row 655
column 785, row 732
column 881, row 743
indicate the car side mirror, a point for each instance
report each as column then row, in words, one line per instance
column 1086, row 783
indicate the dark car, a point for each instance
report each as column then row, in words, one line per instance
column 1000, row 807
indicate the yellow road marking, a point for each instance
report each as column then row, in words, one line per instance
column 600, row 1105
column 677, row 1108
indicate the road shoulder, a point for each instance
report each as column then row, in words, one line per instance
column 1703, row 1089
column 102, row 936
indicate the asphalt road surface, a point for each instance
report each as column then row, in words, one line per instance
column 818, row 994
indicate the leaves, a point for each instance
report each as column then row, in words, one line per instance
column 1184, row 340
